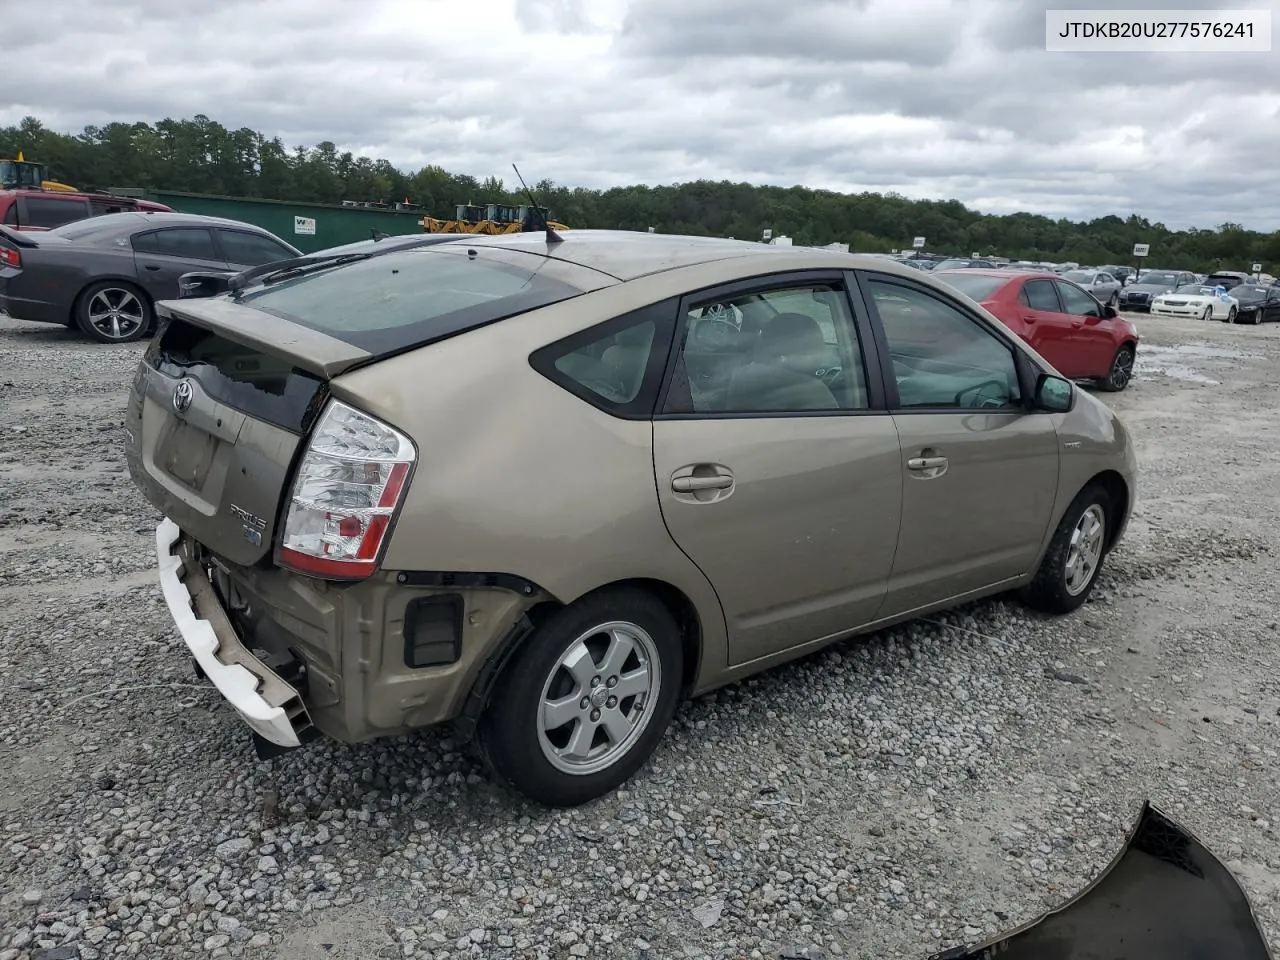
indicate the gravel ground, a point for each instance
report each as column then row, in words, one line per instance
column 887, row 798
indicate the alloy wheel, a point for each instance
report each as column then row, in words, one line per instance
column 115, row 312
column 596, row 702
column 1085, row 549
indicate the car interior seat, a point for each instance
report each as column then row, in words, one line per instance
column 782, row 373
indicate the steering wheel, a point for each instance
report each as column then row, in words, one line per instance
column 984, row 402
column 715, row 331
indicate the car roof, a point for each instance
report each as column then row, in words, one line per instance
column 627, row 255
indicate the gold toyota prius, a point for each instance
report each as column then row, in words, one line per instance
column 545, row 486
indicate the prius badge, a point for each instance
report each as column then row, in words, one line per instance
column 182, row 396
column 251, row 525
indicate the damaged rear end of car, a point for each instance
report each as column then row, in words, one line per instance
column 280, row 492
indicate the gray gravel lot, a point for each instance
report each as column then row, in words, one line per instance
column 887, row 798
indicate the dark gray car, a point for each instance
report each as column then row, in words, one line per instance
column 1151, row 284
column 104, row 274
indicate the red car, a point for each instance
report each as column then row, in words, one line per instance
column 1082, row 338
column 33, row 209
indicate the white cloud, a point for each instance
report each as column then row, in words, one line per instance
column 932, row 98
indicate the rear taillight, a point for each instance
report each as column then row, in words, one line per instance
column 10, row 257
column 349, row 483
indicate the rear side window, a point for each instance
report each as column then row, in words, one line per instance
column 1040, row 295
column 48, row 212
column 616, row 365
column 190, row 243
column 411, row 297
column 11, row 215
column 975, row 286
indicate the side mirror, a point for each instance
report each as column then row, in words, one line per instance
column 1053, row 393
column 1109, row 312
column 193, row 285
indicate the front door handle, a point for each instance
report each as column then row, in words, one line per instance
column 694, row 484
column 152, row 266
column 926, row 463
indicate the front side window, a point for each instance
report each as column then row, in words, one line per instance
column 1076, row 302
column 791, row 349
column 943, row 358
column 251, row 249
column 189, row 243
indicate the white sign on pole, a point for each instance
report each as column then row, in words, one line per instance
column 768, row 234
column 918, row 243
column 1141, row 249
column 1257, row 268
column 305, row 226
column 975, row 255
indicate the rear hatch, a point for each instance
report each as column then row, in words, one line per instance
column 229, row 389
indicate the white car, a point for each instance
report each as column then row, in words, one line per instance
column 1196, row 300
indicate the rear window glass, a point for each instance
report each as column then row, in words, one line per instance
column 974, row 285
column 409, row 297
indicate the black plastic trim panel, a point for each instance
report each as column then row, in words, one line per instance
column 461, row 581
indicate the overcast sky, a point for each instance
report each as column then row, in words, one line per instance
column 932, row 98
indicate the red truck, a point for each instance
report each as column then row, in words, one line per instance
column 29, row 200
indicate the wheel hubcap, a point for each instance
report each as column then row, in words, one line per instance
column 115, row 313
column 1085, row 550
column 1122, row 369
column 596, row 702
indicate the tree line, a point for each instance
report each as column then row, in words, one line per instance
column 200, row 155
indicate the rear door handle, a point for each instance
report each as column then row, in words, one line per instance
column 694, row 484
column 926, row 463
column 1028, row 318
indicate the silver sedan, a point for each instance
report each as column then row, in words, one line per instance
column 1099, row 283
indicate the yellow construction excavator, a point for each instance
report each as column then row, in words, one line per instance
column 22, row 174
column 493, row 219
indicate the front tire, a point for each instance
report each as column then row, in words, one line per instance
column 1208, row 313
column 1120, row 372
column 1075, row 556
column 1231, row 315
column 583, row 704
column 113, row 311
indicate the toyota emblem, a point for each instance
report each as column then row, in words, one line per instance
column 182, row 396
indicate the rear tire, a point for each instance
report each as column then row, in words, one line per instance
column 1121, row 371
column 113, row 311
column 1075, row 556
column 592, row 741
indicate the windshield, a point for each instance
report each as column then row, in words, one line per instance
column 1162, row 277
column 410, row 297
column 1248, row 291
column 1079, row 276
column 951, row 264
column 976, row 286
column 1195, row 289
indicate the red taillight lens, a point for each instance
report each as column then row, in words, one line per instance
column 10, row 257
column 349, row 484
